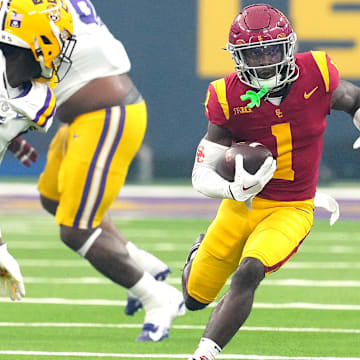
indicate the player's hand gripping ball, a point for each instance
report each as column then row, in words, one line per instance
column 253, row 153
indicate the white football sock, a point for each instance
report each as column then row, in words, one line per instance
column 145, row 260
column 156, row 297
column 207, row 349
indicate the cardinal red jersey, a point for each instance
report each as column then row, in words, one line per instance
column 293, row 130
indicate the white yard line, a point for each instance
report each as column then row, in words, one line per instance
column 175, row 247
column 120, row 303
column 168, row 356
column 177, row 281
column 79, row 263
column 178, row 327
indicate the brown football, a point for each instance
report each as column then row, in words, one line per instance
column 254, row 155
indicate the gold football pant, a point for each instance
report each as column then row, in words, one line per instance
column 272, row 233
column 88, row 162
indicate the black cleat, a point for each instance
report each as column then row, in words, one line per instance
column 194, row 249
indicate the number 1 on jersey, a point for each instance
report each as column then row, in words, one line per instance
column 282, row 133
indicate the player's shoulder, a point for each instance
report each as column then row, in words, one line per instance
column 225, row 82
column 320, row 63
column 220, row 90
column 222, row 95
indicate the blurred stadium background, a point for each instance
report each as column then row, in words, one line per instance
column 307, row 311
column 175, row 48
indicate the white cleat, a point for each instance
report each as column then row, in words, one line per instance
column 158, row 320
column 133, row 304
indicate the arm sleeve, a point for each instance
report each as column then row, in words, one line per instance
column 204, row 177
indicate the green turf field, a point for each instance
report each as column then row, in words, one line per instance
column 308, row 310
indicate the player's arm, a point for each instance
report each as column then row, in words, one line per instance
column 210, row 150
column 11, row 280
column 346, row 97
column 207, row 181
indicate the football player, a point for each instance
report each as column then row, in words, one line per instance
column 36, row 43
column 280, row 99
column 105, row 121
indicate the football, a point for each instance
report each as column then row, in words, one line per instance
column 254, row 155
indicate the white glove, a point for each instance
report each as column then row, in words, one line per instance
column 356, row 121
column 11, row 280
column 245, row 185
column 328, row 203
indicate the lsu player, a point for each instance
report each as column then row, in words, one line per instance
column 265, row 217
column 36, row 43
column 87, row 164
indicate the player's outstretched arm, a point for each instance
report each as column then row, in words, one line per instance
column 23, row 151
column 346, row 97
column 11, row 280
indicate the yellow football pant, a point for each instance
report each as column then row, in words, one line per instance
column 272, row 233
column 88, row 162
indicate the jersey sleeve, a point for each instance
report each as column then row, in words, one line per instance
column 37, row 104
column 328, row 69
column 216, row 105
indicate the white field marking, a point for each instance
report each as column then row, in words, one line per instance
column 171, row 247
column 177, row 281
column 36, row 245
column 177, row 327
column 332, row 249
column 322, row 265
column 293, row 265
column 312, row 283
column 333, row 236
column 168, row 356
column 79, row 263
column 55, row 263
column 32, row 245
column 120, row 303
column 47, row 230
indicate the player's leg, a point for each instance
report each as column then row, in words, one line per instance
column 87, row 189
column 270, row 245
column 148, row 262
column 49, row 197
column 215, row 256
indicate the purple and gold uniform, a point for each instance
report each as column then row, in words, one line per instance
column 282, row 213
column 88, row 162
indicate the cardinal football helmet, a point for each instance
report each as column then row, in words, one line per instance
column 262, row 44
column 45, row 27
